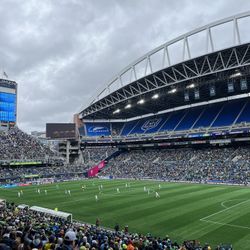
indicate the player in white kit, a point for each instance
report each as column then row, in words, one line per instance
column 157, row 195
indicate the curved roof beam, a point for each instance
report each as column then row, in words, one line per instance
column 166, row 58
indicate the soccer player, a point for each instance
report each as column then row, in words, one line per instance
column 21, row 192
column 126, row 185
column 145, row 190
column 157, row 195
column 159, row 186
column 18, row 194
column 101, row 186
column 45, row 191
column 118, row 190
column 38, row 191
column 69, row 192
column 96, row 198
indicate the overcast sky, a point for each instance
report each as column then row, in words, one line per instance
column 61, row 51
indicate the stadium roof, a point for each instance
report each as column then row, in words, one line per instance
column 192, row 63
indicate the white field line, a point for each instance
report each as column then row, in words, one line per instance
column 205, row 219
column 225, row 224
column 222, row 203
column 223, row 210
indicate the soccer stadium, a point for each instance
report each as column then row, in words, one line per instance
column 159, row 159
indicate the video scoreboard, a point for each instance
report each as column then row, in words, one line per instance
column 8, row 102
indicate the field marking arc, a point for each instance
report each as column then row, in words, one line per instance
column 223, row 202
column 204, row 219
column 223, row 210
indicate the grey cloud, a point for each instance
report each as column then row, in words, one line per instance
column 62, row 52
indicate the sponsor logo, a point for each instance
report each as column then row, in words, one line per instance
column 98, row 129
column 150, row 124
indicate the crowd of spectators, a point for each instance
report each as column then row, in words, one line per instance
column 186, row 164
column 94, row 155
column 201, row 165
column 17, row 145
column 22, row 229
column 16, row 174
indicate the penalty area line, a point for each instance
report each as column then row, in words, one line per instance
column 205, row 219
column 223, row 203
column 223, row 210
column 224, row 224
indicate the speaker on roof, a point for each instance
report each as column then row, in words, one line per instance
column 243, row 84
column 196, row 94
column 212, row 90
column 186, row 96
column 230, row 87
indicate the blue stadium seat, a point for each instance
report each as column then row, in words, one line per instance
column 197, row 117
column 158, row 124
column 208, row 116
column 173, row 120
column 149, row 125
column 229, row 113
column 137, row 129
column 189, row 119
column 128, row 127
column 245, row 115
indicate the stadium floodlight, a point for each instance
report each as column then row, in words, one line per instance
column 116, row 111
column 155, row 96
column 128, row 106
column 237, row 74
column 190, row 86
column 141, row 101
column 172, row 91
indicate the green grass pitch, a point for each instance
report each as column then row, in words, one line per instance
column 210, row 213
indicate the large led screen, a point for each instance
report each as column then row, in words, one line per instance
column 7, row 107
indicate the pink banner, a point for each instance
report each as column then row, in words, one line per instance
column 24, row 184
column 94, row 170
column 101, row 165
